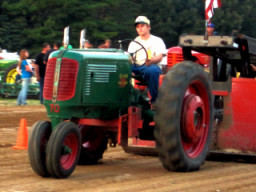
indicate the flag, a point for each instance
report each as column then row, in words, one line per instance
column 209, row 6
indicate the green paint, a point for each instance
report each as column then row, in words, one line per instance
column 102, row 89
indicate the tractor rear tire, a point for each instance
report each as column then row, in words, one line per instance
column 63, row 150
column 38, row 138
column 94, row 144
column 184, row 118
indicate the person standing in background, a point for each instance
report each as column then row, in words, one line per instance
column 210, row 29
column 40, row 68
column 87, row 44
column 56, row 46
column 26, row 74
column 106, row 45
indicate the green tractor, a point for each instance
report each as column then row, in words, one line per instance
column 91, row 101
column 9, row 83
column 8, row 65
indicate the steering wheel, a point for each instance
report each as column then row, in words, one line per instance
column 137, row 51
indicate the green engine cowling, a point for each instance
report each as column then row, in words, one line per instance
column 92, row 83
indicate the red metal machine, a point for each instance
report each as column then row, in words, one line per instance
column 196, row 111
column 233, row 86
column 175, row 55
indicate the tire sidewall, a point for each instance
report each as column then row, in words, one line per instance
column 168, row 117
column 37, row 155
column 54, row 149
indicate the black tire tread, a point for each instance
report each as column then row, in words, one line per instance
column 52, row 149
column 167, row 118
column 36, row 156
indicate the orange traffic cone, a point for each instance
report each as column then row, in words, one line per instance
column 22, row 138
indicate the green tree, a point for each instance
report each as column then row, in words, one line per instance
column 28, row 23
column 236, row 15
column 44, row 21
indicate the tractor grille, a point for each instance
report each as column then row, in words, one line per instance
column 49, row 78
column 67, row 79
column 174, row 58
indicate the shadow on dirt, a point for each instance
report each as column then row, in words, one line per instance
column 229, row 157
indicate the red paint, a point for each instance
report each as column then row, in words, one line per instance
column 238, row 129
column 175, row 55
column 55, row 108
column 49, row 78
column 67, row 159
column 220, row 93
column 143, row 143
column 195, row 119
column 67, row 79
column 134, row 121
column 99, row 123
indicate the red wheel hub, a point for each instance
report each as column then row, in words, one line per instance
column 69, row 151
column 195, row 119
column 192, row 118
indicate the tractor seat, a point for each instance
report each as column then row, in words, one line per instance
column 140, row 80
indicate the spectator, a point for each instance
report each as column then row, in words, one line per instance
column 210, row 29
column 26, row 74
column 40, row 67
column 87, row 44
column 106, row 45
column 56, row 46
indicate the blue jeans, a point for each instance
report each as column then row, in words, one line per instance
column 41, row 82
column 151, row 75
column 23, row 92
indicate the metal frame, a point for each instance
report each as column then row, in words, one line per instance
column 232, row 82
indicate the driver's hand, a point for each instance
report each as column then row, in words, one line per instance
column 148, row 62
column 253, row 67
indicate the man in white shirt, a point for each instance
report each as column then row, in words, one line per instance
column 156, row 50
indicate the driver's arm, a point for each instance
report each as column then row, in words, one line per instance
column 160, row 52
column 155, row 60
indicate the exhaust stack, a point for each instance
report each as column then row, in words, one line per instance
column 82, row 38
column 66, row 37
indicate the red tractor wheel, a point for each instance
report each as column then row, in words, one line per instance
column 63, row 150
column 38, row 138
column 94, row 143
column 184, row 118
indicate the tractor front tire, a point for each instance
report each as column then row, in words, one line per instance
column 184, row 118
column 38, row 138
column 63, row 150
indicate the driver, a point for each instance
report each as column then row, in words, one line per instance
column 156, row 50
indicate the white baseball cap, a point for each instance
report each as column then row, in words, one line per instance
column 142, row 20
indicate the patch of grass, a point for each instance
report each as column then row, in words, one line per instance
column 13, row 102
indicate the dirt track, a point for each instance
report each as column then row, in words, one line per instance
column 118, row 171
